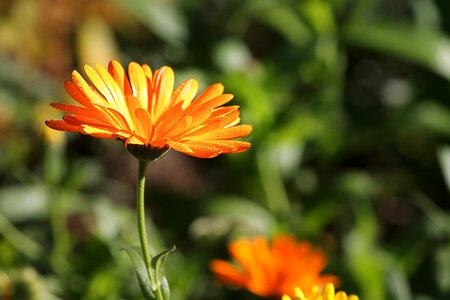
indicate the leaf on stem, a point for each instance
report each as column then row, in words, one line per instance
column 158, row 265
column 141, row 272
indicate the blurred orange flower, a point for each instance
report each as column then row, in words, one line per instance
column 316, row 293
column 144, row 109
column 273, row 270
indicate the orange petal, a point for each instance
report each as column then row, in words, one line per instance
column 97, row 132
column 76, row 93
column 118, row 120
column 81, row 120
column 101, row 86
column 74, row 109
column 224, row 133
column 179, row 128
column 212, row 91
column 227, row 273
column 62, row 125
column 164, row 81
column 185, row 92
column 94, row 98
column 118, row 73
column 139, row 83
column 115, row 91
column 224, row 110
column 224, row 146
column 180, row 147
column 144, row 126
column 210, row 104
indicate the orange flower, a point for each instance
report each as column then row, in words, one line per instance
column 273, row 270
column 145, row 110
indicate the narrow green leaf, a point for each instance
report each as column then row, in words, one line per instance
column 423, row 47
column 141, row 272
column 158, row 264
column 19, row 240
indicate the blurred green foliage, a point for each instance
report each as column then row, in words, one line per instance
column 349, row 100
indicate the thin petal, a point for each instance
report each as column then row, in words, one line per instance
column 62, row 125
column 77, row 110
column 164, row 81
column 138, row 83
column 94, row 98
column 76, row 93
column 114, row 90
column 185, row 92
column 80, row 120
column 226, row 133
column 210, row 104
column 101, row 86
column 227, row 273
column 211, row 92
column 118, row 73
column 144, row 127
column 180, row 147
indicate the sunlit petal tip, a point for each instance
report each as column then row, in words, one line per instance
column 212, row 91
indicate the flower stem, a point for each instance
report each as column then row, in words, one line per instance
column 140, row 205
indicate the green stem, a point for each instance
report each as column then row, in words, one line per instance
column 140, row 204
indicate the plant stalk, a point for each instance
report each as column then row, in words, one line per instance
column 140, row 205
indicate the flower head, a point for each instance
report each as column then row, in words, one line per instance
column 326, row 293
column 273, row 270
column 144, row 109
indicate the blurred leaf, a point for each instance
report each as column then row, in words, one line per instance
column 367, row 262
column 84, row 172
column 272, row 182
column 20, row 203
column 427, row 14
column 427, row 48
column 20, row 241
column 439, row 219
column 237, row 209
column 320, row 16
column 317, row 217
column 103, row 286
column 444, row 159
column 232, row 55
column 112, row 219
column 398, row 285
column 301, row 126
column 281, row 18
column 141, row 272
column 358, row 184
column 434, row 116
column 442, row 267
column 187, row 275
column 163, row 18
